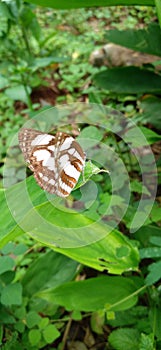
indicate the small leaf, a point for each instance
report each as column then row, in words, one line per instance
column 42, row 62
column 20, row 326
column 12, row 294
column 34, row 336
column 125, row 338
column 32, row 319
column 97, row 322
column 146, row 342
column 76, row 315
column 150, row 252
column 3, row 82
column 50, row 333
column 18, row 93
column 91, row 132
column 89, row 170
column 155, row 240
column 6, row 264
column 20, row 249
column 43, row 323
column 155, row 273
column 138, row 187
column 155, row 214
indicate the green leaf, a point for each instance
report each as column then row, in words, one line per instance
column 158, row 8
column 29, row 22
column 6, row 264
column 39, row 276
column 76, row 316
column 89, row 170
column 155, row 214
column 140, row 40
column 101, row 255
column 125, row 338
column 89, row 3
column 43, row 323
column 155, row 273
column 155, row 318
column 145, row 233
column 150, row 135
column 112, row 293
column 9, row 228
column 150, row 108
column 155, row 240
column 6, row 318
column 3, row 82
column 4, row 11
column 20, row 326
column 136, row 316
column 128, row 80
column 105, row 254
column 91, row 132
column 138, row 187
column 150, row 252
column 42, row 62
column 114, row 252
column 50, row 333
column 8, row 248
column 32, row 319
column 18, row 93
column 8, row 277
column 34, row 336
column 147, row 342
column 20, row 249
column 12, row 294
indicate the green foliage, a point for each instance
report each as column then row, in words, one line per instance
column 141, row 40
column 25, row 312
column 25, row 68
column 108, row 293
column 89, row 3
column 125, row 338
column 41, row 289
column 132, row 80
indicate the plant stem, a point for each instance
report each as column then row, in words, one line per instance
column 24, row 35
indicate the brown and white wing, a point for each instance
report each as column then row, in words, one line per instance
column 39, row 152
column 56, row 161
column 71, row 160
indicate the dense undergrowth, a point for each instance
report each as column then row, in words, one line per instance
column 90, row 293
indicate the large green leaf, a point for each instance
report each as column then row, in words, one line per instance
column 150, row 108
column 63, row 4
column 140, row 40
column 48, row 271
column 111, row 293
column 114, row 252
column 129, row 80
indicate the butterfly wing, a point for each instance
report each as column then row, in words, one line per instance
column 56, row 161
column 39, row 152
column 71, row 160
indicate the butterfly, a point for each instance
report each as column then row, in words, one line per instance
column 56, row 161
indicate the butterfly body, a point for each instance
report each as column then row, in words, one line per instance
column 56, row 161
